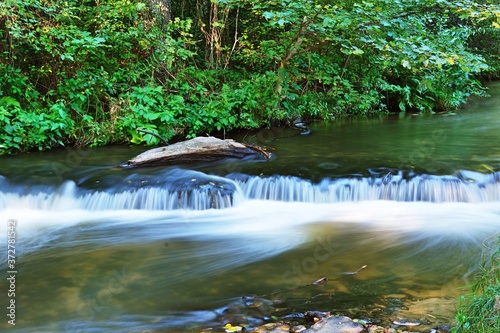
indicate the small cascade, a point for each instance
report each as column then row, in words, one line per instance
column 199, row 191
column 192, row 194
column 466, row 186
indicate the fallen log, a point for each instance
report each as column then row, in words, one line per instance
column 194, row 150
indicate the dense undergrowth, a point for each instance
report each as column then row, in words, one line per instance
column 479, row 311
column 93, row 72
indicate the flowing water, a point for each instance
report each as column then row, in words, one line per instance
column 415, row 198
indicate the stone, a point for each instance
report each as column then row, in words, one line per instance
column 272, row 328
column 336, row 324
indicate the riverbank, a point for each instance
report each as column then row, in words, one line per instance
column 428, row 316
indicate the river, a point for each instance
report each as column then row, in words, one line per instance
column 99, row 248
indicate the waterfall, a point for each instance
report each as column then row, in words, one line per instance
column 199, row 191
column 466, row 186
column 189, row 193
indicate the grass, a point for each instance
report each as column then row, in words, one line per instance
column 479, row 311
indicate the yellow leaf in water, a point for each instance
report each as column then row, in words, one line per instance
column 230, row 328
column 487, row 167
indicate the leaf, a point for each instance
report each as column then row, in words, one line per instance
column 136, row 139
column 406, row 64
column 7, row 100
column 267, row 15
column 402, row 106
column 140, row 6
column 329, row 22
column 67, row 56
column 385, row 23
column 165, row 117
column 358, row 51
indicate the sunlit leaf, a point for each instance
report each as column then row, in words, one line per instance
column 267, row 15
column 358, row 51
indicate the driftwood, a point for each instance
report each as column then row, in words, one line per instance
column 257, row 149
column 194, row 150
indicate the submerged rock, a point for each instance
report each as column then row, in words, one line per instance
column 441, row 329
column 248, row 310
column 336, row 324
column 273, row 328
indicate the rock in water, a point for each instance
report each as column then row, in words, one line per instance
column 194, row 150
column 335, row 324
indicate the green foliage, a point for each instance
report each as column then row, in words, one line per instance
column 207, row 100
column 32, row 130
column 71, row 65
column 145, row 108
column 398, row 53
column 480, row 310
column 93, row 73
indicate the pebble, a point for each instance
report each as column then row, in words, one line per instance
column 336, row 324
column 273, row 328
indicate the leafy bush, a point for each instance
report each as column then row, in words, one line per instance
column 145, row 108
column 73, row 72
column 23, row 130
column 70, row 68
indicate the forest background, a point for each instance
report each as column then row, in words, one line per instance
column 93, row 72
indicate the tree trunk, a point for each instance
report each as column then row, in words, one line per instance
column 162, row 10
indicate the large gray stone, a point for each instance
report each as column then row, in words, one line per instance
column 335, row 324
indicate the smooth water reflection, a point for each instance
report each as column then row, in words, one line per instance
column 105, row 271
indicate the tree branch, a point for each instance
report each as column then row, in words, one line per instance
column 153, row 134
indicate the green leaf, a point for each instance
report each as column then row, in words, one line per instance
column 358, row 51
column 406, row 64
column 9, row 101
column 267, row 15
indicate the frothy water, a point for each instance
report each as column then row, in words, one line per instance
column 277, row 221
column 465, row 187
column 198, row 191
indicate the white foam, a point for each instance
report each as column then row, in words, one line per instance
column 277, row 221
